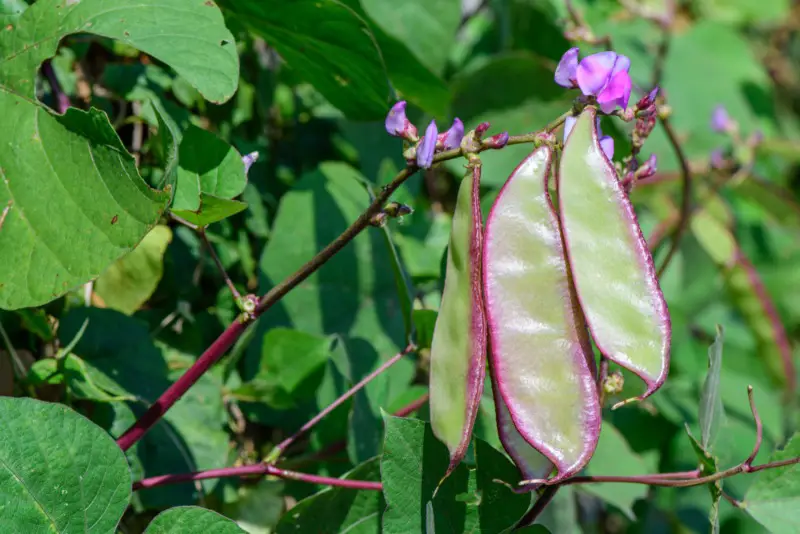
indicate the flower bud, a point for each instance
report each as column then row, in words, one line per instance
column 427, row 147
column 398, row 125
column 497, row 141
column 720, row 120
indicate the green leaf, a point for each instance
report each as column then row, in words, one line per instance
column 132, row 279
column 458, row 349
column 86, row 382
column 774, row 498
column 192, row 520
column 412, row 467
column 614, row 456
column 711, row 414
column 626, row 314
column 328, row 45
column 293, row 357
column 69, row 184
column 424, row 323
column 427, row 27
column 354, row 293
column 338, row 510
column 59, row 472
column 209, row 165
column 548, row 401
column 212, row 209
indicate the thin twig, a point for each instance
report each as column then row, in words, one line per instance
column 19, row 367
column 412, row 406
column 254, row 470
column 686, row 195
column 283, row 445
column 759, row 430
column 221, row 268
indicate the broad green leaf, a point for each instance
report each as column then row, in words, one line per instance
column 86, row 382
column 354, row 293
column 424, row 324
column 328, row 45
column 292, row 357
column 777, row 203
column 192, row 520
column 338, row 510
column 412, row 467
column 749, row 295
column 711, row 414
column 540, row 354
column 458, row 349
column 59, row 473
column 612, row 268
column 413, row 80
column 212, row 209
column 11, row 10
column 258, row 507
column 615, row 456
column 119, row 347
column 132, row 279
column 427, row 27
column 69, row 184
column 774, row 499
column 208, row 165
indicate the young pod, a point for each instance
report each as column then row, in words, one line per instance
column 458, row 348
column 612, row 268
column 540, row 356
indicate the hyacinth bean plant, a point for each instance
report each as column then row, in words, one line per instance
column 358, row 321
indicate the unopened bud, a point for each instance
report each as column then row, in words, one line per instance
column 614, row 383
column 497, row 141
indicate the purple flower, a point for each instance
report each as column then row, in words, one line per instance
column 452, row 137
column 427, row 147
column 248, row 161
column 398, row 125
column 567, row 68
column 720, row 120
column 717, row 159
column 497, row 141
column 606, row 141
column 649, row 99
column 603, row 75
column 648, row 168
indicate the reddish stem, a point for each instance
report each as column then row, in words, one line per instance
column 257, row 470
column 61, row 98
column 413, row 406
column 282, row 446
column 173, row 393
column 759, row 431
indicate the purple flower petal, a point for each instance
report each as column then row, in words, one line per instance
column 717, row 159
column 593, row 72
column 623, row 63
column 452, row 137
column 569, row 123
column 567, row 69
column 607, row 144
column 616, row 93
column 427, row 147
column 720, row 120
column 248, row 161
column 396, row 120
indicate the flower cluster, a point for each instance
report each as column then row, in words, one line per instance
column 603, row 75
column 398, row 125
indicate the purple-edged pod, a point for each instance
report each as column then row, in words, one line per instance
column 539, row 350
column 458, row 348
column 532, row 464
column 611, row 266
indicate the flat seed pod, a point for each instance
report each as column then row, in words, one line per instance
column 532, row 464
column 458, row 348
column 610, row 263
column 539, row 350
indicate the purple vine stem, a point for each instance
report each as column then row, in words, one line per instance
column 257, row 470
column 283, row 445
column 61, row 98
column 224, row 342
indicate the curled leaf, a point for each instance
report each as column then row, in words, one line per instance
column 540, row 355
column 612, row 268
column 458, row 349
